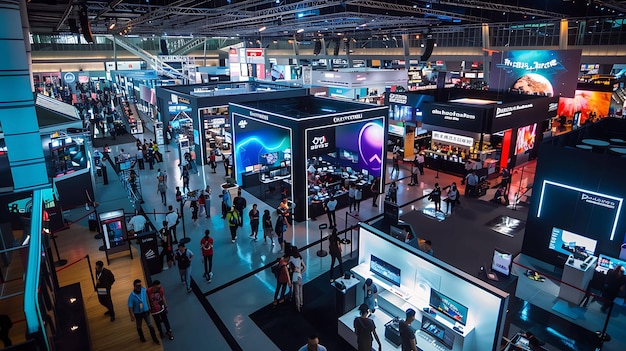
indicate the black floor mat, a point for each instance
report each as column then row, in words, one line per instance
column 289, row 329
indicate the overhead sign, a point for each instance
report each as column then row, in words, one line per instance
column 523, row 113
column 455, row 116
column 453, row 138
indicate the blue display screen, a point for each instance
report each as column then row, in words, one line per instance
column 441, row 333
column 385, row 270
column 447, row 306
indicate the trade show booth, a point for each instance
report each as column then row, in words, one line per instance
column 455, row 311
column 199, row 113
column 308, row 149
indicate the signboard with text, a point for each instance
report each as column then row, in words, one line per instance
column 454, row 116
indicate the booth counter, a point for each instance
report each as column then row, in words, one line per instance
column 455, row 311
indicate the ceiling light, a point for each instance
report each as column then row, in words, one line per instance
column 111, row 25
column 300, row 30
column 262, row 28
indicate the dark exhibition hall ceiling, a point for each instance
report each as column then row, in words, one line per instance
column 286, row 18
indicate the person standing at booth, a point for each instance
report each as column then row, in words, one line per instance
column 407, row 333
column 331, row 206
column 334, row 248
column 104, row 282
column 614, row 284
column 370, row 298
column 365, row 330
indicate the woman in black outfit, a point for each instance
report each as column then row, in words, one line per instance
column 615, row 282
column 334, row 248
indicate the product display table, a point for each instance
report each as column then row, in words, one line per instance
column 596, row 142
column 576, row 274
column 345, row 299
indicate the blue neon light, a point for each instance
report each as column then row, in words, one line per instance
column 618, row 199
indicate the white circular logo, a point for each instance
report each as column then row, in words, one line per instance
column 69, row 77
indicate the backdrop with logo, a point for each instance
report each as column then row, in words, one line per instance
column 536, row 72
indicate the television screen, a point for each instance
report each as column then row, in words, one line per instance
column 447, row 306
column 606, row 263
column 270, row 158
column 438, row 331
column 569, row 243
column 385, row 270
column 349, row 155
column 525, row 138
column 502, row 262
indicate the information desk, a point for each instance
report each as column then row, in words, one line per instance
column 393, row 302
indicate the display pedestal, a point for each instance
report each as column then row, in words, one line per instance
column 345, row 299
column 576, row 275
column 232, row 189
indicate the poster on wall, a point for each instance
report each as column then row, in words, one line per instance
column 361, row 145
column 536, row 72
column 586, row 102
column 525, row 138
column 261, row 145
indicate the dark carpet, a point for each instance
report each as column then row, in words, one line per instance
column 463, row 240
column 119, row 139
column 289, row 329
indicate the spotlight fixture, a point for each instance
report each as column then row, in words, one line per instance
column 262, row 28
column 112, row 25
column 300, row 30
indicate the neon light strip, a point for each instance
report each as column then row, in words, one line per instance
column 618, row 199
column 34, row 322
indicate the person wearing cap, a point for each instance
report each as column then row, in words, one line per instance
column 365, row 328
column 407, row 333
column 370, row 297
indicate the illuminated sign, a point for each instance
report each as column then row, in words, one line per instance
column 453, row 138
column 591, row 197
column 452, row 115
column 532, row 66
column 69, row 77
column 398, row 99
column 183, row 100
column 319, row 142
column 347, row 118
column 242, row 124
column 507, row 111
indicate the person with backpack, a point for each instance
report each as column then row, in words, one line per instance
column 283, row 279
column 183, row 259
column 158, row 308
column 233, row 220
column 206, row 244
column 104, row 282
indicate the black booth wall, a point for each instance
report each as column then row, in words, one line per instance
column 597, row 172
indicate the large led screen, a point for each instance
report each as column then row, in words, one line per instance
column 257, row 143
column 575, row 209
column 569, row 243
column 536, row 72
column 362, row 145
column 525, row 139
column 585, row 102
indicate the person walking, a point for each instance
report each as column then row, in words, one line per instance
column 375, row 188
column 226, row 202
column 139, row 310
column 162, row 188
column 267, row 227
column 365, row 330
column 358, row 196
column 471, row 184
column 393, row 192
column 104, row 282
column 5, row 326
column 172, row 220
column 158, row 308
column 166, row 245
column 351, row 191
column 435, row 197
column 335, row 250
column 240, row 203
column 140, row 158
column 212, row 161
column 407, row 333
column 207, row 199
column 183, row 259
column 254, row 215
column 297, row 267
column 331, row 206
column 453, row 197
column 415, row 171
column 184, row 175
column 280, row 228
column 233, row 220
column 282, row 279
column 395, row 165
column 193, row 207
column 202, row 205
column 206, row 245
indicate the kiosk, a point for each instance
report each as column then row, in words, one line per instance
column 455, row 311
column 308, row 149
column 115, row 236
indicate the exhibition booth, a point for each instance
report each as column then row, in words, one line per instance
column 455, row 311
column 358, row 83
column 307, row 149
column 198, row 114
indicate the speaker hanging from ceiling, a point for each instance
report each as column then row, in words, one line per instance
column 85, row 27
column 430, row 44
column 318, row 47
column 73, row 25
column 164, row 50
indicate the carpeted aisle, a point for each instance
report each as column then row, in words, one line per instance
column 289, row 329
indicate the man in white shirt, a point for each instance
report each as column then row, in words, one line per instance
column 137, row 223
column 313, row 344
column 172, row 218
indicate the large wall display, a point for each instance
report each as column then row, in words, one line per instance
column 536, row 72
column 525, row 138
column 259, row 145
column 585, row 102
column 575, row 192
column 454, row 297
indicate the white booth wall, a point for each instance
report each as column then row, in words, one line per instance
column 486, row 304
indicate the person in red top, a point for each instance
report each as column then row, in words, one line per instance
column 202, row 205
column 158, row 308
column 282, row 280
column 206, row 244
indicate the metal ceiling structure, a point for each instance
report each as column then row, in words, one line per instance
column 275, row 19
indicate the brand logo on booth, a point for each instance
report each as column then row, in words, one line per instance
column 319, row 142
column 598, row 200
column 242, row 124
column 397, row 99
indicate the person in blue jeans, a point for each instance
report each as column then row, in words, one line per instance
column 139, row 310
column 183, row 259
column 370, row 299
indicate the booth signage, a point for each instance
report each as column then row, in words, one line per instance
column 69, row 78
column 460, row 117
column 345, row 118
column 183, row 100
column 321, row 141
column 173, row 58
column 398, row 99
column 508, row 111
column 452, row 115
column 259, row 115
column 597, row 200
column 453, row 138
